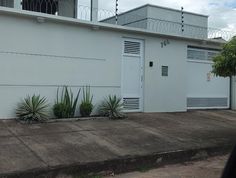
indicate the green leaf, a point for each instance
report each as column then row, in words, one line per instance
column 86, row 105
column 32, row 108
column 225, row 63
column 112, row 107
column 65, row 107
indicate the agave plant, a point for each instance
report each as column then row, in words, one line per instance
column 65, row 105
column 32, row 108
column 112, row 107
column 86, row 105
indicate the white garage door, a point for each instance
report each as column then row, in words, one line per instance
column 205, row 91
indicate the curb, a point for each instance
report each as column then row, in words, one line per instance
column 77, row 119
column 124, row 164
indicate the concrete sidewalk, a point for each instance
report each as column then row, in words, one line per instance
column 56, row 147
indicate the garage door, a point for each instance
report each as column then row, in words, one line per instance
column 204, row 90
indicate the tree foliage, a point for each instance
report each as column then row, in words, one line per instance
column 225, row 63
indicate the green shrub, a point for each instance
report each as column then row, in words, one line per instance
column 32, row 108
column 65, row 105
column 112, row 107
column 86, row 105
column 59, row 110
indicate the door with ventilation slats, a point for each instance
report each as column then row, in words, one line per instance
column 132, row 75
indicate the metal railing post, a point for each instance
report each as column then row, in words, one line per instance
column 76, row 9
column 94, row 10
column 116, row 12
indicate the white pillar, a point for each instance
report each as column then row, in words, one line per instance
column 17, row 4
column 94, row 10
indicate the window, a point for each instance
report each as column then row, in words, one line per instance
column 204, row 54
column 197, row 55
column 164, row 71
column 211, row 55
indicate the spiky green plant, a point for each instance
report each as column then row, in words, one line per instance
column 32, row 108
column 65, row 105
column 86, row 105
column 112, row 107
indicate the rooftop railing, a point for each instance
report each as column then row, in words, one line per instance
column 192, row 31
column 69, row 8
column 169, row 27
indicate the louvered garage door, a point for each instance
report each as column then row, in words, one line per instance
column 132, row 74
column 205, row 91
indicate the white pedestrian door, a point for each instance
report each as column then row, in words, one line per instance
column 132, row 75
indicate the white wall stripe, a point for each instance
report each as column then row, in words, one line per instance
column 41, row 85
column 50, row 55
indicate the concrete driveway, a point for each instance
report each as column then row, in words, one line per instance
column 25, row 148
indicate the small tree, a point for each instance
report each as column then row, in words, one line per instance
column 225, row 63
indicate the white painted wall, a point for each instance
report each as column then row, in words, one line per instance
column 165, row 21
column 37, row 58
column 165, row 94
column 202, row 84
column 173, row 15
column 168, row 21
column 134, row 18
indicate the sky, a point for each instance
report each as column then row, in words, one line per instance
column 222, row 13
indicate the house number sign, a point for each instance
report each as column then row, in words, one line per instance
column 165, row 43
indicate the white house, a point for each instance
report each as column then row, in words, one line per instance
column 155, row 62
